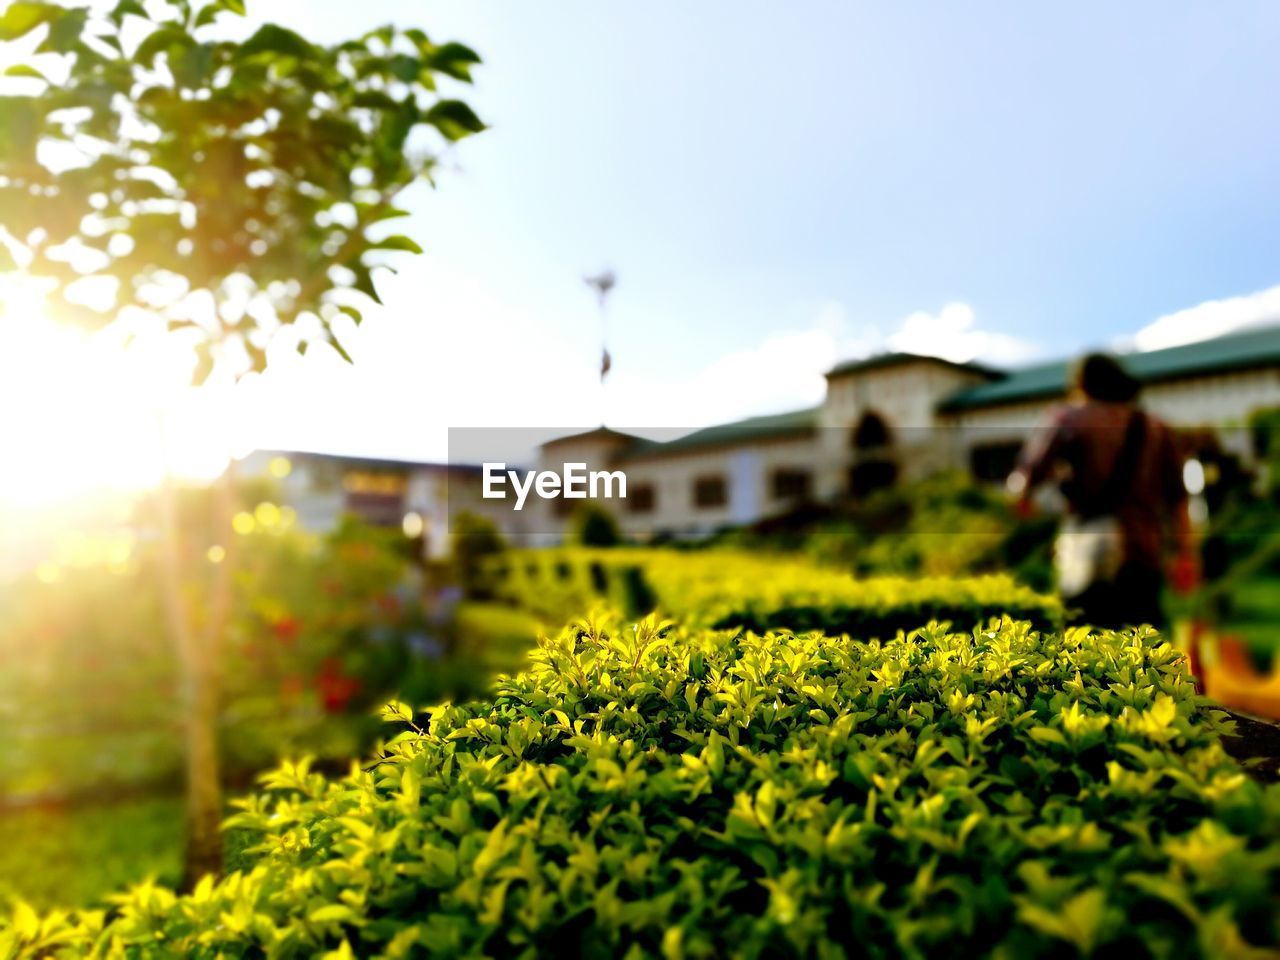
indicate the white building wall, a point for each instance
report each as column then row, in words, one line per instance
column 748, row 470
column 905, row 395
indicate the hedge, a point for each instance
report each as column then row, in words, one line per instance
column 655, row 791
column 723, row 589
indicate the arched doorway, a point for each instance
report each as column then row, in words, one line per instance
column 874, row 464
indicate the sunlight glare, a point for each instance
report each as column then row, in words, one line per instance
column 88, row 413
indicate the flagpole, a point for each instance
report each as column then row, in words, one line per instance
column 602, row 283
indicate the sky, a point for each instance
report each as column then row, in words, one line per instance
column 780, row 187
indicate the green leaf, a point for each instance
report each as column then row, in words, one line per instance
column 208, row 14
column 454, row 119
column 337, row 345
column 364, row 282
column 397, row 242
column 193, row 66
column 375, row 100
column 1077, row 921
column 385, row 34
column 1047, row 735
column 22, row 17
column 355, row 315
column 404, row 67
column 419, row 38
column 24, row 70
column 397, row 711
column 126, row 8
column 275, row 39
column 453, row 60
column 161, row 40
column 65, row 31
column 332, row 913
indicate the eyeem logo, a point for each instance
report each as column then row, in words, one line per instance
column 574, row 483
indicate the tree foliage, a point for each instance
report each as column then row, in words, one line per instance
column 227, row 187
column 595, row 526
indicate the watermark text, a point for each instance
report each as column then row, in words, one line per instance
column 573, row 482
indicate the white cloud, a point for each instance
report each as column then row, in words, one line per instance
column 448, row 351
column 1213, row 318
column 468, row 358
column 951, row 334
column 478, row 360
column 784, row 372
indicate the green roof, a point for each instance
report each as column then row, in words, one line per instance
column 894, row 359
column 740, row 431
column 598, row 433
column 1238, row 351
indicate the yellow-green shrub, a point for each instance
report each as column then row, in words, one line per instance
column 721, row 588
column 649, row 791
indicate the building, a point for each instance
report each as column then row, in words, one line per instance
column 899, row 416
column 892, row 417
column 416, row 497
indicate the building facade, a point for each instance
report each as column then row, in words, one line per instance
column 419, row 498
column 886, row 419
column 898, row 417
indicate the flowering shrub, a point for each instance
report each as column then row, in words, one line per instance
column 691, row 793
column 726, row 588
column 322, row 630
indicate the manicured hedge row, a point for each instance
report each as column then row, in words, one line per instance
column 724, row 589
column 646, row 791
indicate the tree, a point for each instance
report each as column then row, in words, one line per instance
column 595, row 526
column 161, row 175
column 476, row 541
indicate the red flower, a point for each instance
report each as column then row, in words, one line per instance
column 335, row 687
column 286, row 629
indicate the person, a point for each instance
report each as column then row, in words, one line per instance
column 1120, row 473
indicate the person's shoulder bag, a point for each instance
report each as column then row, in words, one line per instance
column 1091, row 547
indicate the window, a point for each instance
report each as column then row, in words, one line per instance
column 710, row 492
column 641, row 498
column 376, row 497
column 377, row 483
column 871, row 433
column 790, row 484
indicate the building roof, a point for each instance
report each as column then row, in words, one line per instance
column 880, row 360
column 369, row 463
column 598, row 433
column 1238, row 351
column 773, row 426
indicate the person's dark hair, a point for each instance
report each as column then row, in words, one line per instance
column 1101, row 377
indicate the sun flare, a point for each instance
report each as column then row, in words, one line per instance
column 87, row 413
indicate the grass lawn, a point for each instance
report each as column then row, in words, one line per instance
column 67, row 856
column 73, row 854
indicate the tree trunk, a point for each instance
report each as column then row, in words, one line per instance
column 199, row 692
column 204, row 784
